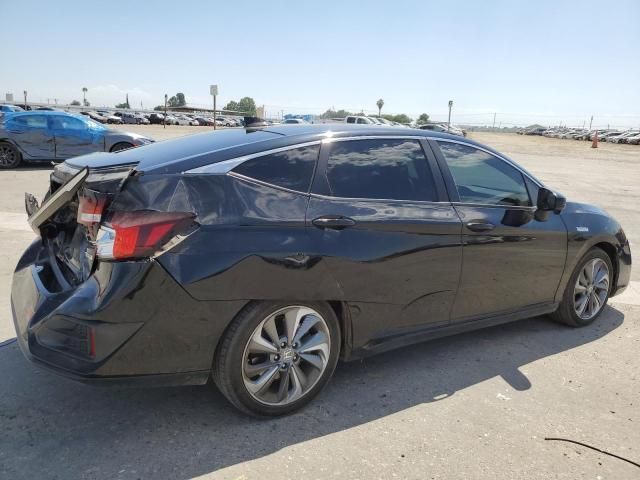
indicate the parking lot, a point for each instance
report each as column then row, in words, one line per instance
column 477, row 405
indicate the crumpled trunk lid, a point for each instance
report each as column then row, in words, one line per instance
column 68, row 235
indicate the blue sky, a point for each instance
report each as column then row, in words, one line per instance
column 545, row 61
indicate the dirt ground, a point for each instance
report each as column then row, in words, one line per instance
column 473, row 406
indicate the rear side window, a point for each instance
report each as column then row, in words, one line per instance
column 484, row 178
column 351, row 120
column 394, row 169
column 290, row 169
column 32, row 121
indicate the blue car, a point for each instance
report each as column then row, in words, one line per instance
column 57, row 136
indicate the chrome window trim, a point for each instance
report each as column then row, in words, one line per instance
column 369, row 199
column 224, row 167
column 239, row 176
column 506, row 160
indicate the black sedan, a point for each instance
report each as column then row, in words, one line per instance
column 261, row 256
column 46, row 136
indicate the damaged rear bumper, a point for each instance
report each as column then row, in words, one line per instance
column 130, row 323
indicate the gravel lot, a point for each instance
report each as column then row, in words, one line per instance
column 478, row 405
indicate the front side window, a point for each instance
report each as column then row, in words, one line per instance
column 290, row 169
column 351, row 120
column 67, row 123
column 484, row 178
column 394, row 169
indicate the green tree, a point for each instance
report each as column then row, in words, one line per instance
column 335, row 114
column 177, row 100
column 400, row 118
column 423, row 119
column 159, row 108
column 247, row 105
column 380, row 104
column 75, row 103
column 232, row 106
column 123, row 105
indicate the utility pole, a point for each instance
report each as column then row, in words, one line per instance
column 25, row 99
column 494, row 121
column 449, row 121
column 164, row 120
column 590, row 122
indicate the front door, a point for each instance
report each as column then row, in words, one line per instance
column 380, row 220
column 513, row 257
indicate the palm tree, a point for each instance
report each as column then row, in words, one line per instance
column 84, row 95
column 380, row 104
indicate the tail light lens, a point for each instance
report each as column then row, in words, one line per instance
column 90, row 209
column 129, row 235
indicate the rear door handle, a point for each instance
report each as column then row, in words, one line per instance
column 334, row 222
column 480, row 226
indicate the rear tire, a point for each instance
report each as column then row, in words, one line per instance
column 120, row 146
column 10, row 157
column 266, row 378
column 586, row 294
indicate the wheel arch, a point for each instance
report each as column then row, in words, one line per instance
column 611, row 252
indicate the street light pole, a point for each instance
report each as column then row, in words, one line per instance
column 164, row 120
column 25, row 99
column 449, row 121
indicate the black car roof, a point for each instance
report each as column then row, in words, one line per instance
column 192, row 151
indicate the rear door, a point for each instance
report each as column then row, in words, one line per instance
column 73, row 137
column 513, row 257
column 32, row 135
column 381, row 221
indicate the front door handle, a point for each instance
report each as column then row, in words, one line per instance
column 334, row 222
column 480, row 226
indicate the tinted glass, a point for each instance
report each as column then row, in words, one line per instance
column 32, row 121
column 483, row 178
column 291, row 169
column 362, row 120
column 351, row 120
column 386, row 169
column 68, row 123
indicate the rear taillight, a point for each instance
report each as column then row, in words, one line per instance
column 90, row 209
column 141, row 234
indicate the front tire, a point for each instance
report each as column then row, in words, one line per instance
column 9, row 155
column 587, row 292
column 275, row 357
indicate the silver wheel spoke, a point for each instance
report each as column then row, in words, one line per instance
column 263, row 382
column 582, row 304
column 258, row 344
column 580, row 289
column 318, row 342
column 292, row 320
column 272, row 331
column 283, row 388
column 255, row 369
column 313, row 359
column 306, row 325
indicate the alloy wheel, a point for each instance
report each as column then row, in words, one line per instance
column 591, row 289
column 286, row 355
column 8, row 156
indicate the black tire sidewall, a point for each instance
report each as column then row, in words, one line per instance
column 568, row 299
column 230, row 367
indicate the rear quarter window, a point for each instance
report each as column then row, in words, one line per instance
column 292, row 169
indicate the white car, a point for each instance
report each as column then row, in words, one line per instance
column 360, row 119
column 622, row 138
column 635, row 140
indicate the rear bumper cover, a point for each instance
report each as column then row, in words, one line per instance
column 129, row 323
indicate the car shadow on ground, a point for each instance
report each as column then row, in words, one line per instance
column 55, row 428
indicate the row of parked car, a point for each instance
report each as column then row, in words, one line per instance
column 157, row 118
column 141, row 118
column 630, row 136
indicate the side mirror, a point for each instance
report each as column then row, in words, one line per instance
column 549, row 201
